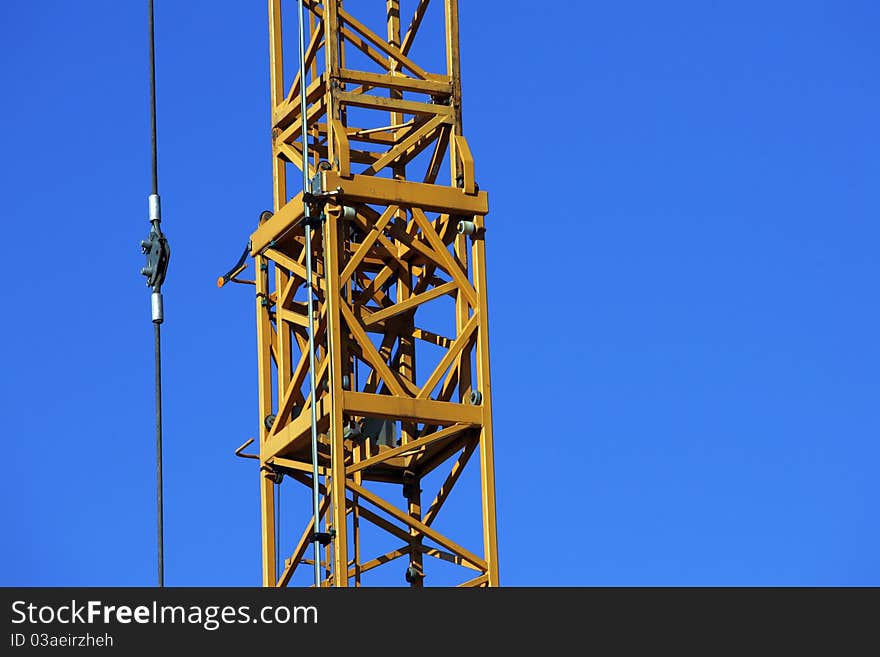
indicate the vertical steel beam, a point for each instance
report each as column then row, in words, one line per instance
column 333, row 297
column 487, row 451
column 264, row 358
column 276, row 81
column 453, row 62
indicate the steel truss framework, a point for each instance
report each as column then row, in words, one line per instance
column 394, row 242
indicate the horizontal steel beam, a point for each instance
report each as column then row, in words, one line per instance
column 436, row 198
column 420, row 410
column 280, row 223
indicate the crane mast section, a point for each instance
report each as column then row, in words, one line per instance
column 399, row 283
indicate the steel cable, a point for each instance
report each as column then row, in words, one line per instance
column 157, row 319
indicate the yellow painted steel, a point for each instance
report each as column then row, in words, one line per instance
column 380, row 126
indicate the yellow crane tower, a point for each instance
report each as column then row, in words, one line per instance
column 355, row 271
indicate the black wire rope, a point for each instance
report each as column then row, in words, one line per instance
column 160, row 539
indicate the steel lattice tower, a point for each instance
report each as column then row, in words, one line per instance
column 390, row 243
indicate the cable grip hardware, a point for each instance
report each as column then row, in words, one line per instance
column 156, row 249
column 315, row 198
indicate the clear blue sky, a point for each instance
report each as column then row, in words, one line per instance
column 685, row 356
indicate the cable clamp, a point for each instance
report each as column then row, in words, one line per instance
column 158, row 253
column 413, row 573
column 320, row 198
column 315, row 198
column 273, row 474
column 313, row 220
